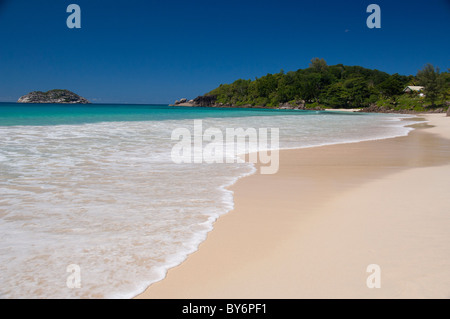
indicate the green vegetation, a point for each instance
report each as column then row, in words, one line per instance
column 433, row 82
column 338, row 86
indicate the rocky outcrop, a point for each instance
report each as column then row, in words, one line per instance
column 211, row 101
column 373, row 108
column 184, row 102
column 297, row 105
column 181, row 101
column 53, row 96
column 203, row 101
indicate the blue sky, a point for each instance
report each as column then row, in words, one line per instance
column 159, row 51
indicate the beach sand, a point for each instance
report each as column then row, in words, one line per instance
column 312, row 229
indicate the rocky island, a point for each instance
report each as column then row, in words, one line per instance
column 53, row 96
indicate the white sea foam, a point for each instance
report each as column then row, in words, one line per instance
column 108, row 198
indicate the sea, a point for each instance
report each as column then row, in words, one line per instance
column 92, row 204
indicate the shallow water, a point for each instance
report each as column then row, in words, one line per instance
column 96, row 186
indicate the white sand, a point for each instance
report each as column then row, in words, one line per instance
column 311, row 230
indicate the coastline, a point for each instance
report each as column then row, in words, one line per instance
column 311, row 229
column 372, row 109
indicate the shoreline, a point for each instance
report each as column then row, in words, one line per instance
column 439, row 110
column 237, row 264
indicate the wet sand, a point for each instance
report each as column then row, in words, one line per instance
column 312, row 229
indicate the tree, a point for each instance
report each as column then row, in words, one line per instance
column 429, row 78
column 391, row 86
column 266, row 85
column 310, row 87
column 337, row 95
column 318, row 65
column 358, row 91
column 445, row 82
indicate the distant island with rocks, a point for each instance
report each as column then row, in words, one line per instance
column 53, row 97
column 324, row 87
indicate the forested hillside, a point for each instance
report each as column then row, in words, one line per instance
column 336, row 86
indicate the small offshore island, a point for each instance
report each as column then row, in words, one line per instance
column 322, row 87
column 53, row 97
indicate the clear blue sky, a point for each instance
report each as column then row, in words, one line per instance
column 159, row 51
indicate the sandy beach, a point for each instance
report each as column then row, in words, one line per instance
column 312, row 229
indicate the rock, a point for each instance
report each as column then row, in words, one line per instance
column 286, row 106
column 373, row 108
column 181, row 101
column 298, row 105
column 184, row 102
column 205, row 100
column 301, row 104
column 53, row 96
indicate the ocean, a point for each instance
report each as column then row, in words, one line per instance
column 95, row 186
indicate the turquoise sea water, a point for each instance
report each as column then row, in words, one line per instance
column 95, row 186
column 54, row 114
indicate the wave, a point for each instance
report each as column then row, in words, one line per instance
column 107, row 197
